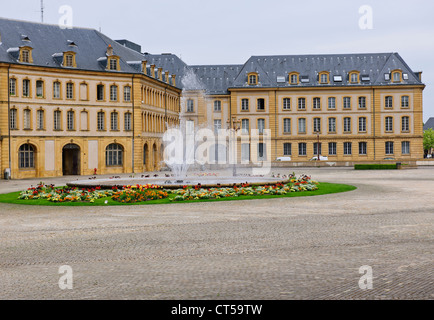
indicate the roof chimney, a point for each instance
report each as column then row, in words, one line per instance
column 144, row 64
column 153, row 70
column 174, row 80
column 167, row 76
column 160, row 74
column 109, row 50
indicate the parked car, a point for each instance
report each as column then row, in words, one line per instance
column 284, row 159
column 321, row 158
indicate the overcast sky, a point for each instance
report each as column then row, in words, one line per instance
column 230, row 31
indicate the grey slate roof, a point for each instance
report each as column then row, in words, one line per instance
column 48, row 40
column 374, row 65
column 169, row 62
column 429, row 124
column 217, row 78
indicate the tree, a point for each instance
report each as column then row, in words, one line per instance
column 428, row 139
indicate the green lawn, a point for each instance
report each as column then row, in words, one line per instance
column 324, row 188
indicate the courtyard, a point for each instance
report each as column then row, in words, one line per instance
column 280, row 249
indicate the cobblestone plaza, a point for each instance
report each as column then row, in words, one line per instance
column 282, row 249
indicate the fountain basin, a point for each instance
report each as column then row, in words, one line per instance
column 178, row 183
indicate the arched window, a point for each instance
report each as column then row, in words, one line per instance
column 27, row 156
column 114, row 155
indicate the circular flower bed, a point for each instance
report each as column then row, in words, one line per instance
column 146, row 193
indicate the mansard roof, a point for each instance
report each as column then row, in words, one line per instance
column 273, row 71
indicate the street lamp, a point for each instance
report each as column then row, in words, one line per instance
column 234, row 126
column 317, row 147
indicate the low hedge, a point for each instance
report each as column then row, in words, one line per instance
column 375, row 167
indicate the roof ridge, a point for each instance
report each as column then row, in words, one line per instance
column 45, row 24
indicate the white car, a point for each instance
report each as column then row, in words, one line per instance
column 284, row 159
column 321, row 158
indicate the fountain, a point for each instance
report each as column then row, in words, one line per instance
column 181, row 155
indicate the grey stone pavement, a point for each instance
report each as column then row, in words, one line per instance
column 284, row 249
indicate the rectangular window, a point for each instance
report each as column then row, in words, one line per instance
column 190, row 105
column 405, row 101
column 39, row 89
column 245, row 152
column 332, row 148
column 245, row 105
column 302, row 149
column 316, row 103
column 302, row 125
column 100, row 92
column 26, row 119
column 317, row 125
column 127, row 93
column 406, row 147
column 362, row 124
column 70, row 120
column 294, row 79
column 245, row 126
column 332, row 125
column 113, row 64
column 261, row 104
column 127, row 121
column 301, row 103
column 317, row 148
column 40, row 119
column 101, row 121
column 362, row 102
column 25, row 56
column 286, row 104
column 347, row 102
column 389, row 124
column 113, row 93
column 261, row 126
column 287, row 126
column 348, row 148
column 13, row 119
column 332, row 103
column 57, row 125
column 26, row 88
column 56, row 90
column 217, row 126
column 389, row 147
column 262, row 151
column 12, row 87
column 347, row 125
column 405, row 124
column 69, row 90
column 388, row 102
column 69, row 60
column 287, row 149
column 114, row 121
column 217, row 106
column 363, row 149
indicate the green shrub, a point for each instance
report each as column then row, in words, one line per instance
column 375, row 167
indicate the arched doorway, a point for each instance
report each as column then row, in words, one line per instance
column 71, row 160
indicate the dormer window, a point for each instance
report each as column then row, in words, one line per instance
column 293, row 78
column 113, row 64
column 69, row 60
column 396, row 76
column 354, row 77
column 253, row 79
column 324, row 77
column 26, row 55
